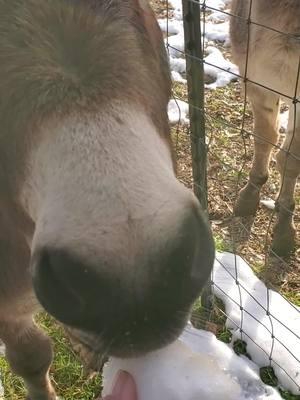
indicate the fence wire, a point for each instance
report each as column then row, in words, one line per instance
column 221, row 136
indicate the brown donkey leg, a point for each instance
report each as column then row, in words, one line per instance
column 265, row 107
column 288, row 164
column 29, row 353
column 28, row 350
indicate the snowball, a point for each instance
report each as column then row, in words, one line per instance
column 197, row 366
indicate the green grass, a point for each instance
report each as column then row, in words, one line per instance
column 221, row 244
column 225, row 336
column 213, row 320
column 293, row 297
column 13, row 385
column 67, row 372
column 288, row 396
column 268, row 376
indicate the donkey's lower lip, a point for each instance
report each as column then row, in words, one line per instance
column 124, row 343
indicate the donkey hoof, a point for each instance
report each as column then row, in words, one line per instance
column 247, row 203
column 240, row 229
column 245, row 208
column 283, row 248
column 284, row 243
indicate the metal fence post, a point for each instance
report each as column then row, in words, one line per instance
column 195, row 81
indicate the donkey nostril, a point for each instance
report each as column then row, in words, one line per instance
column 55, row 280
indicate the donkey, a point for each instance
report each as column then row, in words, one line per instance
column 273, row 63
column 95, row 227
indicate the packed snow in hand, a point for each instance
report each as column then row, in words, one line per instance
column 197, row 366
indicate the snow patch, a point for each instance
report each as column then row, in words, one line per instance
column 219, row 4
column 176, row 45
column 178, row 65
column 178, row 111
column 271, row 325
column 216, row 30
column 284, row 120
column 176, row 77
column 172, row 26
column 268, row 203
column 223, row 76
column 177, row 5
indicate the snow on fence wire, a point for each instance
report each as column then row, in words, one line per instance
column 261, row 323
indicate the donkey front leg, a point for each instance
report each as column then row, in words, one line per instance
column 29, row 353
column 288, row 164
column 265, row 105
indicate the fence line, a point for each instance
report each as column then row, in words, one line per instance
column 202, row 124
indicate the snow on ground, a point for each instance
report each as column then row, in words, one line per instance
column 178, row 111
column 221, row 70
column 268, row 203
column 284, row 119
column 222, row 77
column 197, row 366
column 216, row 30
column 271, row 325
column 177, row 5
column 217, row 4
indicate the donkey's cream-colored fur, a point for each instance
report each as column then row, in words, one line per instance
column 94, row 225
column 273, row 63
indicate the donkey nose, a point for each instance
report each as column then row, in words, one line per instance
column 145, row 294
column 69, row 289
column 185, row 258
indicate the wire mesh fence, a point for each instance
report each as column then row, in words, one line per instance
column 234, row 117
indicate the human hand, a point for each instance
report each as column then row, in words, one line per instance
column 124, row 388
